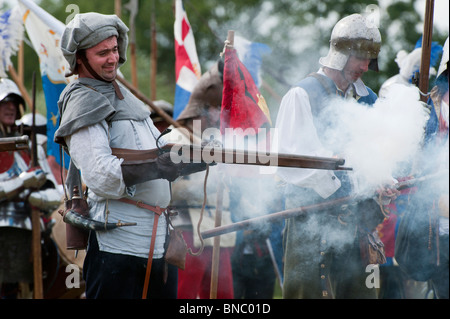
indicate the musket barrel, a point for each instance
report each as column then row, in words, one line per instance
column 227, row 156
column 255, row 222
column 14, row 143
column 285, row 214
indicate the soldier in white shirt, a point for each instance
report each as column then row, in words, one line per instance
column 322, row 257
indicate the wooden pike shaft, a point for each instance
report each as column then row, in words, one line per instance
column 426, row 50
column 218, row 223
column 38, row 290
column 35, row 213
column 216, row 243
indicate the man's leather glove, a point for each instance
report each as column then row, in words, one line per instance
column 191, row 168
column 168, row 169
column 161, row 167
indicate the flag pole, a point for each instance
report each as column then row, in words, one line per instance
column 20, row 62
column 118, row 8
column 218, row 217
column 216, row 244
column 38, row 289
column 153, row 55
column 426, row 50
column 22, row 88
column 133, row 59
column 133, row 8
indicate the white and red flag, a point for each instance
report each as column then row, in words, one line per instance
column 187, row 66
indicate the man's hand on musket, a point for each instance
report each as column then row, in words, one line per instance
column 155, row 168
column 387, row 194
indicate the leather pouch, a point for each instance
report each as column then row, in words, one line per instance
column 177, row 249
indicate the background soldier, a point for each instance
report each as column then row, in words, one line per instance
column 322, row 254
column 22, row 187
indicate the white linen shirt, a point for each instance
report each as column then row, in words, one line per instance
column 90, row 150
column 296, row 134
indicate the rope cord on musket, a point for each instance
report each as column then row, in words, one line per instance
column 386, row 213
column 205, row 199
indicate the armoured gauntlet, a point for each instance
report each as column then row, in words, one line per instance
column 47, row 200
column 26, row 180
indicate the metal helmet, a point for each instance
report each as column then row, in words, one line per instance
column 86, row 30
column 353, row 35
column 444, row 60
column 10, row 92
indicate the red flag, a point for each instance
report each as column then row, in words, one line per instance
column 242, row 104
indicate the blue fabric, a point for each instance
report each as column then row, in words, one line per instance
column 432, row 126
column 318, row 94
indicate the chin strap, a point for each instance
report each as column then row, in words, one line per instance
column 117, row 89
column 98, row 77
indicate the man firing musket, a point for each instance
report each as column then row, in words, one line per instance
column 323, row 253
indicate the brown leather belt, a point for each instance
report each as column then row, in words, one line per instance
column 158, row 211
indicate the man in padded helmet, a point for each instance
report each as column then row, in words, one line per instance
column 98, row 114
column 322, row 253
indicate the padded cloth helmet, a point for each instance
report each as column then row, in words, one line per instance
column 89, row 29
column 353, row 35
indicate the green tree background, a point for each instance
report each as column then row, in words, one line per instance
column 298, row 33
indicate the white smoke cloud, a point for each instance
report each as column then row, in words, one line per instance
column 377, row 142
